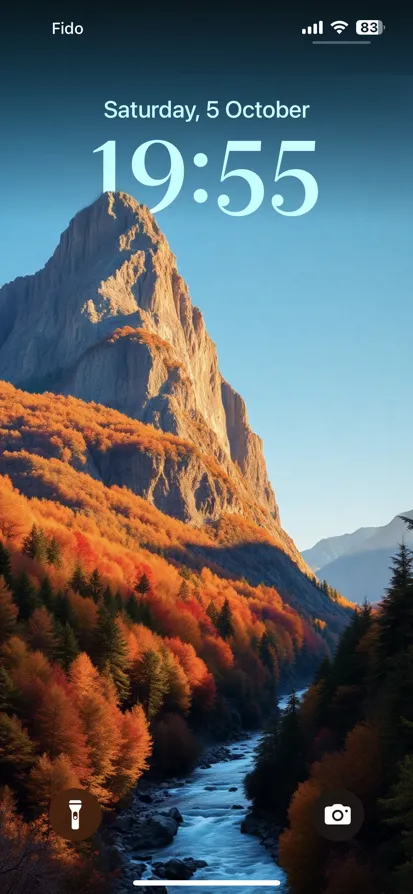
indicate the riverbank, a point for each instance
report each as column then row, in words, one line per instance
column 259, row 822
column 149, row 823
column 192, row 827
column 263, row 827
column 199, row 826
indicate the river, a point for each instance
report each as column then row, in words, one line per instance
column 211, row 827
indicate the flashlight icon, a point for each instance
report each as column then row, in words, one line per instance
column 75, row 808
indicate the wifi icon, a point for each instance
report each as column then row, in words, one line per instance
column 339, row 26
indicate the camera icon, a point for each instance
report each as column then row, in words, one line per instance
column 337, row 815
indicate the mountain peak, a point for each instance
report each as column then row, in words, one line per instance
column 110, row 320
column 115, row 224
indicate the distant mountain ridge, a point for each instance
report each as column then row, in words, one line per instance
column 331, row 548
column 359, row 563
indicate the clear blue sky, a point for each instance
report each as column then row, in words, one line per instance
column 312, row 317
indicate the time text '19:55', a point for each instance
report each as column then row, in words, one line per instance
column 174, row 178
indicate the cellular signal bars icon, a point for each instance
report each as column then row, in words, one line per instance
column 317, row 28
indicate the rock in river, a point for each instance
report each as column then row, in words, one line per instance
column 156, row 831
column 175, row 814
column 178, row 869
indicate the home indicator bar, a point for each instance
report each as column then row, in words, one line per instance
column 207, row 883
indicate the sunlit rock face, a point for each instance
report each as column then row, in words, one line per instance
column 109, row 319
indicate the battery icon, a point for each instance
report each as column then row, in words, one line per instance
column 369, row 26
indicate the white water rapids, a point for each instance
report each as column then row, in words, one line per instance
column 211, row 828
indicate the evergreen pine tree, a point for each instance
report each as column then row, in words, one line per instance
column 95, row 586
column 396, row 616
column 266, row 652
column 25, row 596
column 144, row 585
column 323, row 671
column 280, row 763
column 35, row 544
column 184, row 591
column 120, row 606
column 45, row 594
column 225, row 626
column 153, row 683
column 345, row 670
column 291, row 750
column 110, row 602
column 5, row 565
column 67, row 645
column 110, row 650
column 62, row 609
column 139, row 611
column 8, row 612
column 78, row 581
column 396, row 705
column 132, row 609
column 53, row 552
column 213, row 613
column 258, row 783
column 398, row 808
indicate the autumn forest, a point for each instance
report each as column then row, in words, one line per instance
column 119, row 650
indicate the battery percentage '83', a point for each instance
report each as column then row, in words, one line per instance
column 369, row 26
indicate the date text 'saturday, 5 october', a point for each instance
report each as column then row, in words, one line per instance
column 212, row 109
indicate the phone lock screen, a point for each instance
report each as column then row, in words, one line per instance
column 206, row 505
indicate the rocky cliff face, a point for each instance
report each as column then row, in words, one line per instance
column 110, row 320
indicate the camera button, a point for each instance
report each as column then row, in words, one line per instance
column 338, row 815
